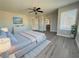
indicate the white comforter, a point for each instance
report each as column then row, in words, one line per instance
column 38, row 35
column 33, row 35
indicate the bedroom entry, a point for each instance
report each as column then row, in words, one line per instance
column 47, row 22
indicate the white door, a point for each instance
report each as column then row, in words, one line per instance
column 39, row 24
column 34, row 24
column 42, row 26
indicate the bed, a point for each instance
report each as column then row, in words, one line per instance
column 26, row 41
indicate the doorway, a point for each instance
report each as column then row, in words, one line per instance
column 47, row 23
column 48, row 28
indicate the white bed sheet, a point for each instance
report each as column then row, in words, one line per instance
column 38, row 35
column 24, row 45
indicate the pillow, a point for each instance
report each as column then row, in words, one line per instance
column 5, row 32
column 4, row 29
column 13, row 39
column 2, row 33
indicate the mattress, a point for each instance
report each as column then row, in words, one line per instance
column 38, row 35
column 24, row 50
column 24, row 45
column 21, row 42
column 37, row 50
column 32, row 35
column 28, row 49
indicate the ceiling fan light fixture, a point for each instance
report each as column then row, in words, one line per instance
column 35, row 10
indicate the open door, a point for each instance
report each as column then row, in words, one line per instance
column 48, row 28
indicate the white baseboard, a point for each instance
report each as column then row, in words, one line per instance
column 53, row 31
column 64, row 35
column 77, row 40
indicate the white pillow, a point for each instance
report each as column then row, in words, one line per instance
column 4, row 29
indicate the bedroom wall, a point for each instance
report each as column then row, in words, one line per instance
column 63, row 9
column 6, row 19
column 78, row 22
column 53, row 17
column 78, row 27
column 77, row 37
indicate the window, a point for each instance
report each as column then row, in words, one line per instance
column 68, row 19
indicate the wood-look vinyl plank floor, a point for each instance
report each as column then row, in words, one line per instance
column 60, row 47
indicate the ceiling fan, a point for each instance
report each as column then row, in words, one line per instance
column 35, row 10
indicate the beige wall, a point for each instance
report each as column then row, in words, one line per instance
column 78, row 27
column 6, row 19
column 78, row 21
column 63, row 9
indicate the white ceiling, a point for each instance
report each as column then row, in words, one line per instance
column 20, row 5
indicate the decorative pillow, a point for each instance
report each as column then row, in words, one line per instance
column 5, row 32
column 4, row 29
column 2, row 34
column 13, row 39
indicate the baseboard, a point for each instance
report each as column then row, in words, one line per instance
column 77, row 41
column 53, row 31
column 64, row 35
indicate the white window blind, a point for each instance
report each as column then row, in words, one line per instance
column 67, row 19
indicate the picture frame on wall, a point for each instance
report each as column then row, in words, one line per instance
column 17, row 20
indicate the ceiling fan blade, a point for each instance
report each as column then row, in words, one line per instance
column 31, row 11
column 30, row 8
column 40, row 11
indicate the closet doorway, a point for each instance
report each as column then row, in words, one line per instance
column 48, row 28
column 47, row 22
